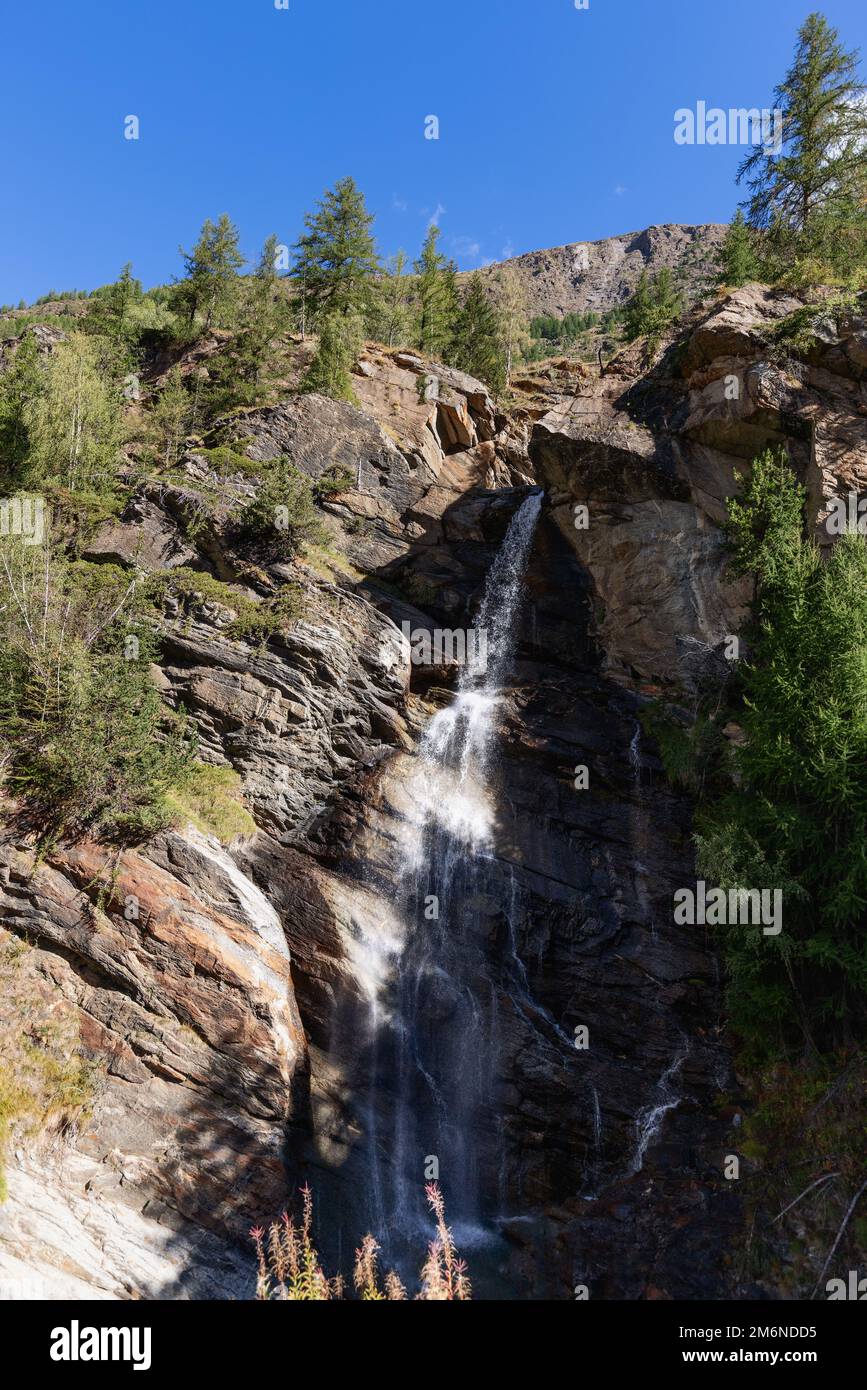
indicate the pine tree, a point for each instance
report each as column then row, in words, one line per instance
column 653, row 308
column 822, row 165
column 437, row 297
column 477, row 345
column 211, row 272
column 340, row 339
column 796, row 818
column 335, row 259
column 738, row 262
column 110, row 307
column 264, row 316
column 172, row 417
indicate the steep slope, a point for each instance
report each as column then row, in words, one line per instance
column 603, row 274
column 221, row 991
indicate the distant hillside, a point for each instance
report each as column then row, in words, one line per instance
column 602, row 274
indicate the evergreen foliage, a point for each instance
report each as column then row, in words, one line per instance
column 209, row 289
column 335, row 259
column 809, row 198
column 796, row 817
column 477, row 346
column 738, row 261
column 437, row 297
column 654, row 307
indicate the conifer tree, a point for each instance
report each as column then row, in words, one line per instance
column 653, row 308
column 211, row 272
column 74, row 424
column 796, row 819
column 172, row 417
column 109, row 313
column 738, row 262
column 20, row 386
column 822, row 163
column 477, row 345
column 264, row 315
column 437, row 297
column 335, row 259
column 340, row 339
column 393, row 313
column 512, row 308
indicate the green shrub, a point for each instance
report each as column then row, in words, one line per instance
column 210, row 797
column 254, row 618
column 88, row 745
column 334, row 480
column 283, row 515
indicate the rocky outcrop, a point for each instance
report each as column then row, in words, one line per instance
column 177, row 972
column 599, row 275
column 652, row 456
column 296, row 717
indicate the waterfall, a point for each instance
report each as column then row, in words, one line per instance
column 434, row 1043
column 648, row 1121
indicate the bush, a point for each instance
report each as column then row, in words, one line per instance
column 289, row 1268
column 210, row 798
column 88, row 745
column 254, row 618
column 283, row 515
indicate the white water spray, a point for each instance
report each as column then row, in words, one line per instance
column 435, row 1044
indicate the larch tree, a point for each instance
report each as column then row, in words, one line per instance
column 511, row 302
column 477, row 346
column 335, row 259
column 820, row 162
column 211, row 272
column 437, row 296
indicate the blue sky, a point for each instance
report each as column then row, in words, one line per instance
column 556, row 124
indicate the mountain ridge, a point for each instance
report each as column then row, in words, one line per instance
column 597, row 275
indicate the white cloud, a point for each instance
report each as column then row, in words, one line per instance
column 619, row 190
column 436, row 216
column 465, row 246
column 399, row 204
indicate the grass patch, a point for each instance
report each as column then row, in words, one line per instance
column 210, row 798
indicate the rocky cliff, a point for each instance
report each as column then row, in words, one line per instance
column 216, row 987
column 600, row 275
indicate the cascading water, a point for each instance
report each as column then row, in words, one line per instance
column 434, row 1031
